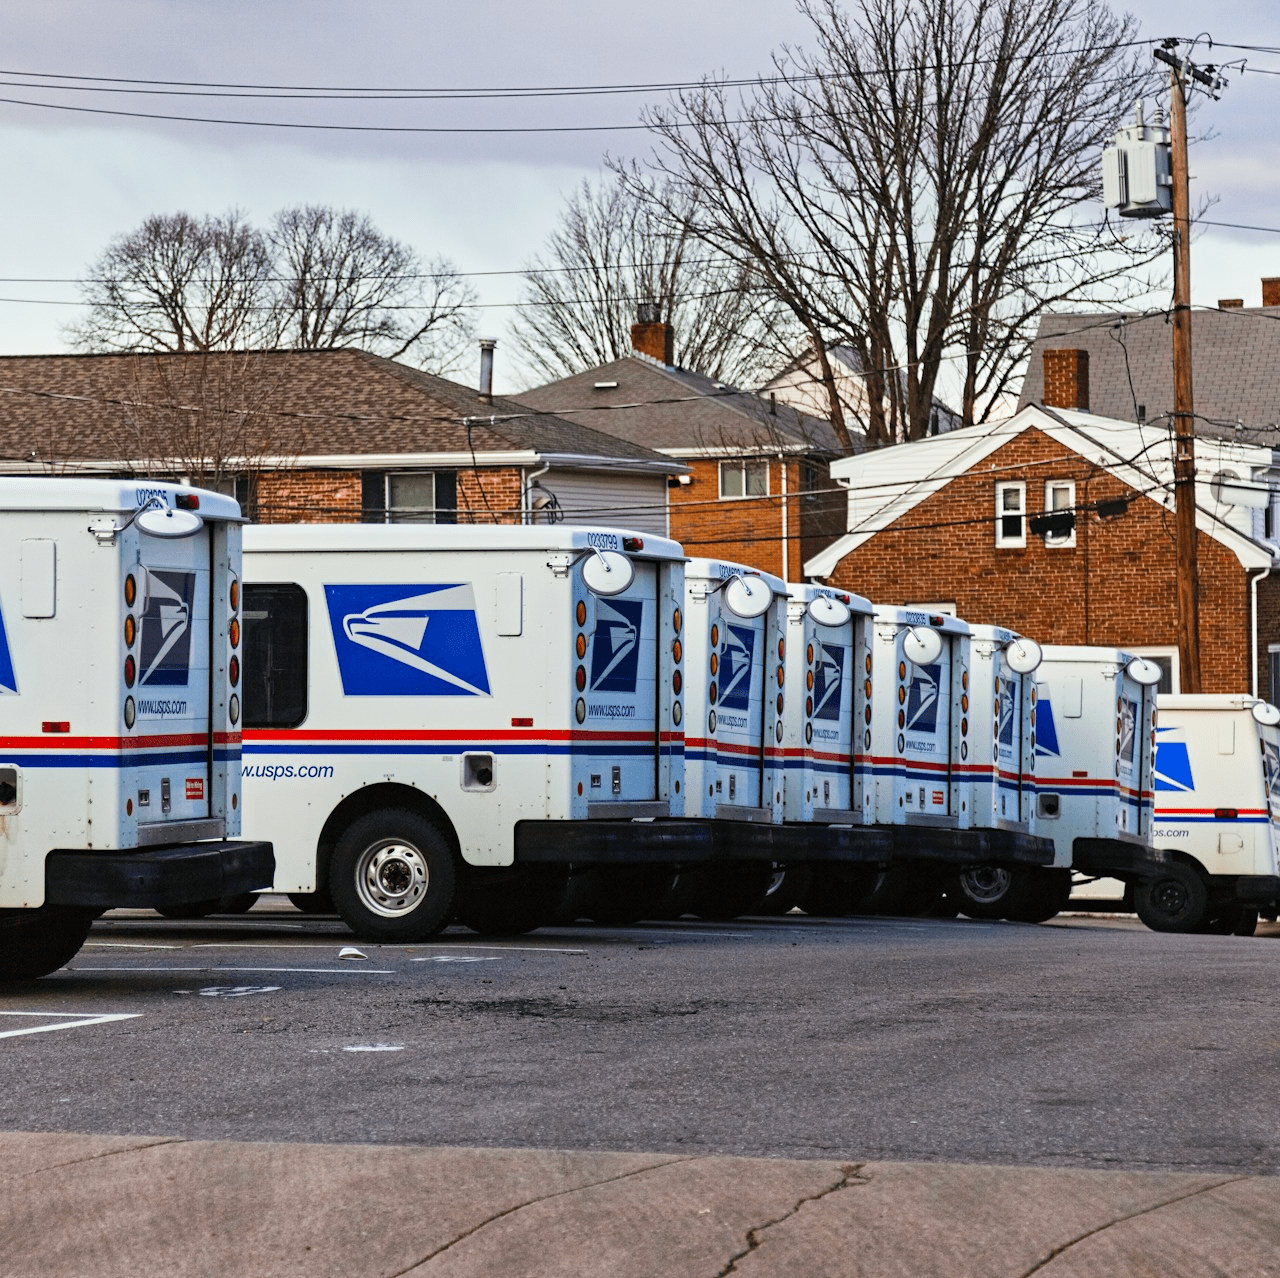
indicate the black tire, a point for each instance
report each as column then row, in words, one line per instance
column 836, row 889
column 1231, row 919
column 903, row 890
column 1038, row 894
column 727, row 891
column 240, row 904
column 625, row 894
column 510, row 904
column 787, row 889
column 983, row 891
column 313, row 902
column 677, row 897
column 393, row 875
column 1176, row 900
column 189, row 910
column 1247, row 923
column 34, row 943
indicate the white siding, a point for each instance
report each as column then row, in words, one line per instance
column 602, row 497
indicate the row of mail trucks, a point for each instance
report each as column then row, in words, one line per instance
column 120, row 710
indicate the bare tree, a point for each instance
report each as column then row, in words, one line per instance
column 616, row 247
column 342, row 282
column 179, row 283
column 921, row 186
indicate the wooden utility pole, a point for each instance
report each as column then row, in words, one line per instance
column 1184, row 421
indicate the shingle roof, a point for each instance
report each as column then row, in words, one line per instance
column 677, row 411
column 1235, row 367
column 302, row 404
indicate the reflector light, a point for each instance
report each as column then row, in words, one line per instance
column 130, row 671
column 633, row 543
column 233, row 671
column 130, row 631
column 581, row 613
column 233, row 713
column 782, row 649
column 715, row 636
column 131, row 712
column 711, row 692
column 580, row 646
column 234, row 594
column 1225, row 814
column 782, row 676
column 580, row 678
column 55, row 725
column 779, row 703
column 233, row 633
column 522, row 723
column 675, row 620
column 677, row 651
column 130, row 590
column 676, row 682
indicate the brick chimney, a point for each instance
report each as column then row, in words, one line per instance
column 1066, row 379
column 1230, row 303
column 1271, row 290
column 651, row 336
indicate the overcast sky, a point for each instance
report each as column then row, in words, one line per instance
column 487, row 201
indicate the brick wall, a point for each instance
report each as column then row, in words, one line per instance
column 1114, row 587
column 489, row 496
column 308, row 496
column 748, row 530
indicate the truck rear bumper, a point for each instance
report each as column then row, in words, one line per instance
column 162, row 876
column 1261, row 888
column 612, row 842
column 970, row 847
column 1117, row 858
column 802, row 841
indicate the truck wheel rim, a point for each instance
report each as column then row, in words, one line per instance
column 1170, row 896
column 986, row 885
column 392, row 878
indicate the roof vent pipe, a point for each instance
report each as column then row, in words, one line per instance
column 486, row 368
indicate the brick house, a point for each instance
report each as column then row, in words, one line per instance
column 330, row 436
column 757, row 489
column 951, row 522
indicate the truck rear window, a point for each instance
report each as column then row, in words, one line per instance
column 275, row 656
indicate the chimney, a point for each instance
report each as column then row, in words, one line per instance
column 486, row 368
column 1230, row 303
column 650, row 336
column 1066, row 379
column 1271, row 290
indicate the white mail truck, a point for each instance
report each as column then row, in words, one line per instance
column 1217, row 814
column 120, row 709
column 441, row 720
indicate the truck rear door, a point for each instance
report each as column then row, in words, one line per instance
column 924, row 732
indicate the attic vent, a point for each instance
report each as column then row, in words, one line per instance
column 606, row 385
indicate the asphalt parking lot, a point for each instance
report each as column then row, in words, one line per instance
column 1086, row 1043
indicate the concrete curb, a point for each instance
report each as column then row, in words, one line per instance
column 108, row 1206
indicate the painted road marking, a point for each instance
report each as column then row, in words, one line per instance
column 236, row 991
column 456, row 958
column 346, row 971
column 81, row 1019
column 375, row 1047
column 529, row 949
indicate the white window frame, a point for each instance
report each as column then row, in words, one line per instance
column 405, row 514
column 1004, row 540
column 1167, row 653
column 941, row 609
column 742, row 466
column 1061, row 540
column 1273, row 666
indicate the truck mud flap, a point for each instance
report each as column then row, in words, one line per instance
column 161, row 876
column 612, row 842
column 970, row 847
column 749, row 841
column 1117, row 858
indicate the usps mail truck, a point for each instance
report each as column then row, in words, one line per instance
column 1217, row 815
column 120, row 709
column 436, row 714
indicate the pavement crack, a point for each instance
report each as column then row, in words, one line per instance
column 532, row 1202
column 850, row 1174
column 1120, row 1220
column 94, row 1158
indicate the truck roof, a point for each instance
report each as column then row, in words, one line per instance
column 1205, row 701
column 806, row 592
column 720, row 569
column 921, row 616
column 362, row 538
column 109, row 496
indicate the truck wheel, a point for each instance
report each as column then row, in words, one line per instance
column 393, row 877
column 512, row 905
column 313, row 902
column 728, row 891
column 983, row 892
column 837, row 888
column 1231, row 919
column 36, row 942
column 1176, row 900
column 189, row 910
column 787, row 888
column 1037, row 895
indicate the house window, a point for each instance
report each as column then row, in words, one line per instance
column 1060, row 495
column 1166, row 659
column 1273, row 672
column 409, row 497
column 744, row 479
column 1011, row 510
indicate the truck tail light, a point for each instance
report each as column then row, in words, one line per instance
column 130, row 671
column 633, row 543
column 1225, row 814
column 233, row 671
column 187, row 501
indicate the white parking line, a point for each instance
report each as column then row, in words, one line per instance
column 127, row 945
column 346, row 971
column 81, row 1019
column 464, row 945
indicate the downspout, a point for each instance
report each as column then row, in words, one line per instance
column 782, row 465
column 1253, row 623
column 526, row 487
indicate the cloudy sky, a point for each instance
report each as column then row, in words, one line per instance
column 485, row 200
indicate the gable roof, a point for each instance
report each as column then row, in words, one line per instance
column 318, row 407
column 680, row 413
column 1235, row 356
column 888, row 483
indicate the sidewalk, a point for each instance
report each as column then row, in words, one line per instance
column 135, row 1206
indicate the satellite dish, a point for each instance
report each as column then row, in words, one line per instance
column 748, row 597
column 1265, row 713
column 608, row 572
column 161, row 522
column 1023, row 655
column 1142, row 671
column 921, row 646
column 828, row 612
